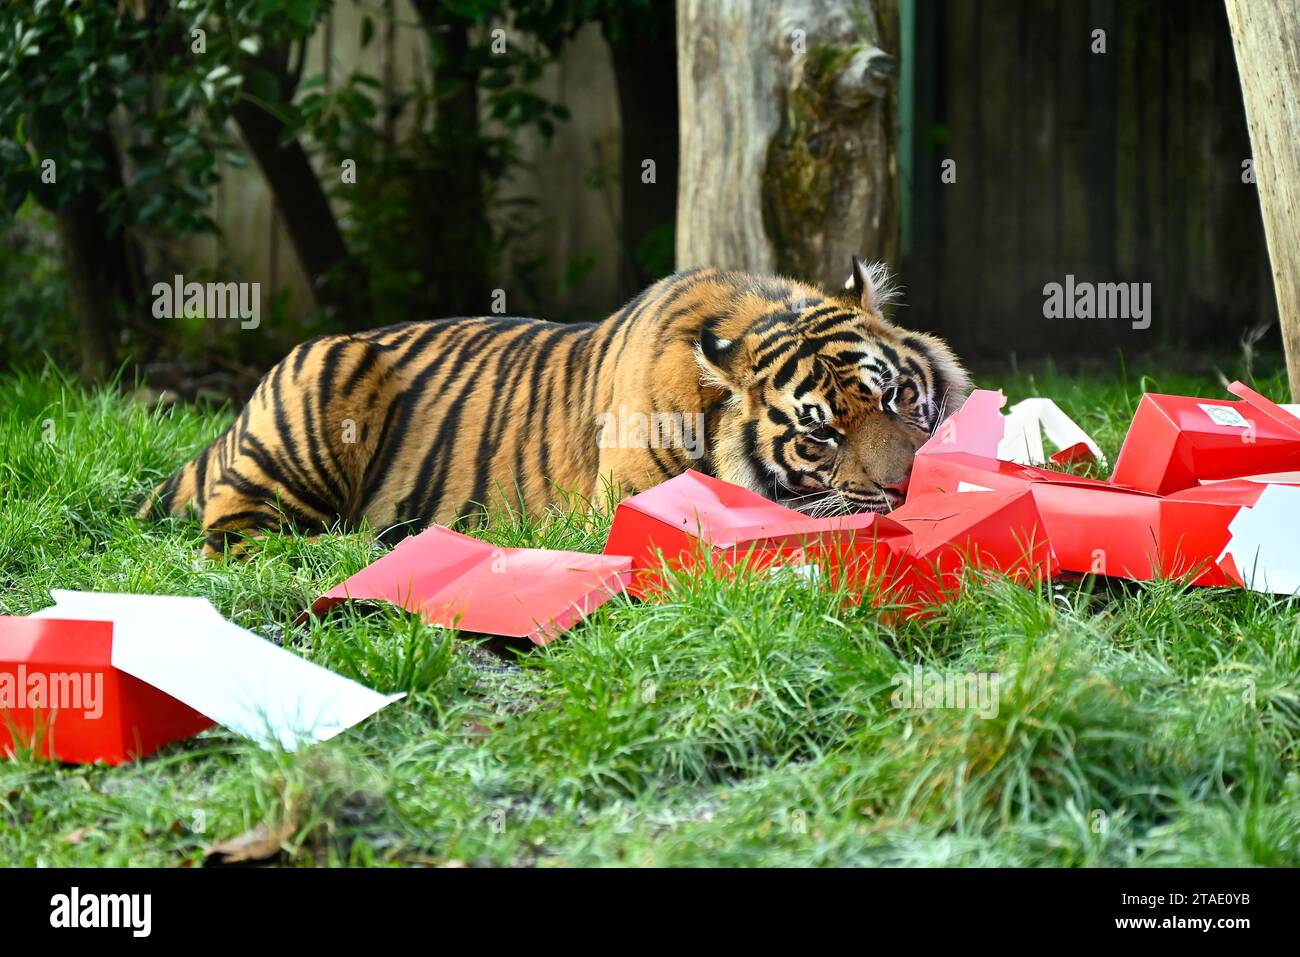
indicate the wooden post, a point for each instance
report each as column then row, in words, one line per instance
column 1266, row 37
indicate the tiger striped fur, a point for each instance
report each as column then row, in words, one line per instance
column 812, row 399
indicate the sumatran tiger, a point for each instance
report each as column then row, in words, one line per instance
column 815, row 400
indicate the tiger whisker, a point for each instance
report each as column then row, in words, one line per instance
column 798, row 498
column 938, row 419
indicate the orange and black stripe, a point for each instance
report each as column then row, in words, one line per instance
column 432, row 421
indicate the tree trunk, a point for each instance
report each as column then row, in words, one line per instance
column 787, row 135
column 104, row 280
column 90, row 289
column 1267, row 40
column 645, row 69
column 460, row 234
column 338, row 282
column 457, row 234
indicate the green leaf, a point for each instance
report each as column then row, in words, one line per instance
column 302, row 12
column 263, row 85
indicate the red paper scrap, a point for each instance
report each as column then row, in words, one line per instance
column 456, row 581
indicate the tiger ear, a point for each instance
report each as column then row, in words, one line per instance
column 721, row 361
column 872, row 286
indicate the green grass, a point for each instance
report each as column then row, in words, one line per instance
column 746, row 722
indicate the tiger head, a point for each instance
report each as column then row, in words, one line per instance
column 824, row 402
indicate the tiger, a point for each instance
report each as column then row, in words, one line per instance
column 815, row 400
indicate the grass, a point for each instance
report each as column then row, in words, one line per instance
column 745, row 722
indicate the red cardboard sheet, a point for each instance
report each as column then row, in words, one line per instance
column 62, row 699
column 456, row 581
column 675, row 524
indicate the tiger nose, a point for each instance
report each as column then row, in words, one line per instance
column 899, row 485
column 896, row 491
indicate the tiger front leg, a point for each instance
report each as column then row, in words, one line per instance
column 234, row 522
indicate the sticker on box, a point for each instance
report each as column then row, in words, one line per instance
column 1225, row 415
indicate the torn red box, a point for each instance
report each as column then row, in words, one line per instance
column 456, row 581
column 994, row 530
column 1107, row 531
column 1197, row 528
column 962, row 455
column 62, row 698
column 1176, row 441
column 1261, row 550
column 1094, row 527
column 676, row 524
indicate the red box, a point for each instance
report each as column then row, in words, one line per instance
column 61, row 697
column 1176, row 441
column 1161, row 521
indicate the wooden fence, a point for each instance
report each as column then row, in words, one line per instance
column 576, row 197
column 1116, row 166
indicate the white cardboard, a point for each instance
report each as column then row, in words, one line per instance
column 1027, row 420
column 1263, row 542
column 184, row 647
